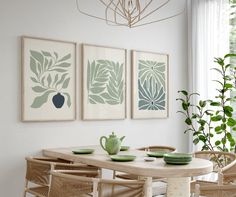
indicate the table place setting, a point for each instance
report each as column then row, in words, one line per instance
column 120, row 153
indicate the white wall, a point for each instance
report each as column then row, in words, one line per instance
column 59, row 19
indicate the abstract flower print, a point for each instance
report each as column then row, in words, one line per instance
column 150, row 98
column 152, row 69
column 151, row 85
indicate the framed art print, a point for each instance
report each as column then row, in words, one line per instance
column 104, row 83
column 149, row 85
column 48, row 79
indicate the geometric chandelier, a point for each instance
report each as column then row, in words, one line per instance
column 130, row 13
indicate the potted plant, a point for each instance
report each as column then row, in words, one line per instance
column 211, row 121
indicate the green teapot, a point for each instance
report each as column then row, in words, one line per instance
column 112, row 144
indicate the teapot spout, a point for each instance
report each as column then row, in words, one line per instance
column 121, row 139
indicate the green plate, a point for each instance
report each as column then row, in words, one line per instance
column 177, row 162
column 83, row 151
column 178, row 155
column 124, row 148
column 123, row 158
column 156, row 154
column 177, row 158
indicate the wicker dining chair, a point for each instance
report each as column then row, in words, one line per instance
column 38, row 178
column 215, row 190
column 223, row 172
column 74, row 184
column 159, row 186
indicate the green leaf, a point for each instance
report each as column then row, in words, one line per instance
column 59, row 70
column 45, row 53
column 215, row 104
column 96, row 98
column 65, row 58
column 216, row 118
column 184, row 92
column 40, row 100
column 218, row 142
column 202, row 138
column 230, row 55
column 202, row 103
column 195, row 141
column 38, row 56
column 38, row 89
column 185, row 106
column 228, row 108
column 188, row 121
column 97, row 90
column 33, row 66
column 55, row 79
column 218, row 128
column 34, row 80
column 66, row 83
column 61, row 80
column 68, row 99
column 223, row 141
column 112, row 102
column 229, row 136
column 223, row 126
column 227, row 85
column 56, row 55
column 49, row 80
column 231, row 122
column 63, row 65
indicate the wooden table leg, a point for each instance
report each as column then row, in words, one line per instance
column 178, row 187
column 148, row 187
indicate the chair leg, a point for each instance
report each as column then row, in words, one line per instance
column 26, row 185
column 197, row 190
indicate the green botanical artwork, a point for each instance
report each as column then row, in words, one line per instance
column 105, row 82
column 151, row 85
column 50, row 76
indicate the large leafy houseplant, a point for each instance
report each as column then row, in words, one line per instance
column 211, row 121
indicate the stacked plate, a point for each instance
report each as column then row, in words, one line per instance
column 177, row 158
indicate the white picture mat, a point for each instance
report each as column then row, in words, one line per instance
column 146, row 114
column 47, row 112
column 102, row 111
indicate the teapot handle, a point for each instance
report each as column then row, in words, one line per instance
column 101, row 142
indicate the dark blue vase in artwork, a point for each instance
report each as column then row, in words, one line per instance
column 58, row 100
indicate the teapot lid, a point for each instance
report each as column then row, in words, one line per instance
column 112, row 135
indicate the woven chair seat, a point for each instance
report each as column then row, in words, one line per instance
column 41, row 191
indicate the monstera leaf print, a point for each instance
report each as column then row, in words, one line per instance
column 49, row 76
column 150, row 96
column 105, row 83
column 152, row 69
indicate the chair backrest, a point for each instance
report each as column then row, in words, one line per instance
column 158, row 148
column 215, row 190
column 71, row 183
column 225, row 158
column 122, row 188
column 39, row 168
column 228, row 173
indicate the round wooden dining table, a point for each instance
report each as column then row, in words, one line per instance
column 178, row 176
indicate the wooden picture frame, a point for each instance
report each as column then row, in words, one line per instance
column 48, row 79
column 103, row 82
column 150, row 85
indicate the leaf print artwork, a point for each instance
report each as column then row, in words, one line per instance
column 50, row 76
column 150, row 97
column 105, row 82
column 151, row 85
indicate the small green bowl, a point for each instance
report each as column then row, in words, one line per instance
column 124, row 148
